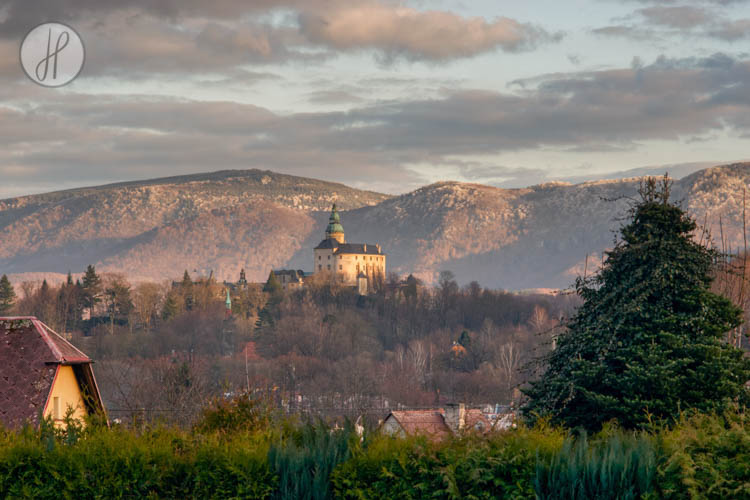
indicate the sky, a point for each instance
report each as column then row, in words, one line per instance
column 378, row 94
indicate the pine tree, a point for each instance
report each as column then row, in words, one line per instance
column 170, row 308
column 119, row 301
column 7, row 295
column 66, row 304
column 91, row 289
column 465, row 339
column 648, row 340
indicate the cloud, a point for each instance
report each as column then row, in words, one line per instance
column 139, row 46
column 78, row 137
column 626, row 31
column 665, row 20
column 405, row 32
column 732, row 31
column 683, row 16
column 187, row 35
column 22, row 15
column 335, row 96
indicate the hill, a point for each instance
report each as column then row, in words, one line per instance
column 148, row 229
column 533, row 237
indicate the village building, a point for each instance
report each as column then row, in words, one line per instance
column 356, row 264
column 42, row 374
column 437, row 423
column 290, row 278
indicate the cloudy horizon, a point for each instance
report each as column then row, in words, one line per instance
column 378, row 94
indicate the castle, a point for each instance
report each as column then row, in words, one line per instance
column 356, row 264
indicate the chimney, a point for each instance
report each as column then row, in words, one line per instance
column 455, row 416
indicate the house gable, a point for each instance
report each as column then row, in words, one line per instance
column 65, row 394
column 36, row 366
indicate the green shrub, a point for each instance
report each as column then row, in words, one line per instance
column 706, row 456
column 703, row 456
column 499, row 466
column 240, row 413
column 615, row 465
column 303, row 460
column 117, row 463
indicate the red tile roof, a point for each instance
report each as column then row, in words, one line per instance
column 432, row 422
column 29, row 354
column 424, row 422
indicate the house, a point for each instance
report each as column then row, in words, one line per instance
column 436, row 424
column 41, row 373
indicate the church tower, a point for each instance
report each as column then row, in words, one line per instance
column 335, row 230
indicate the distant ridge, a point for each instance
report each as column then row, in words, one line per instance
column 533, row 237
column 217, row 176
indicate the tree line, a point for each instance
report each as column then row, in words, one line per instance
column 653, row 332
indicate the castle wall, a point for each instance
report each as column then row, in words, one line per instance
column 350, row 265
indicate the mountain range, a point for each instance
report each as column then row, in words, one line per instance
column 541, row 236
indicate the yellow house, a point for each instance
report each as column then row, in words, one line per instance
column 41, row 373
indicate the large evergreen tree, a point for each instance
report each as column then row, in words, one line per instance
column 648, row 340
column 7, row 295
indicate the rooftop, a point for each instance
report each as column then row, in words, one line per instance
column 347, row 248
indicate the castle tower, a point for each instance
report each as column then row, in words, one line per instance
column 335, row 230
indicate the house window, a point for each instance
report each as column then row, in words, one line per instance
column 329, row 267
column 341, row 268
column 56, row 408
column 341, row 257
column 320, row 268
column 355, row 257
column 320, row 257
column 329, row 257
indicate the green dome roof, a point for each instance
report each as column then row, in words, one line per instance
column 334, row 222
